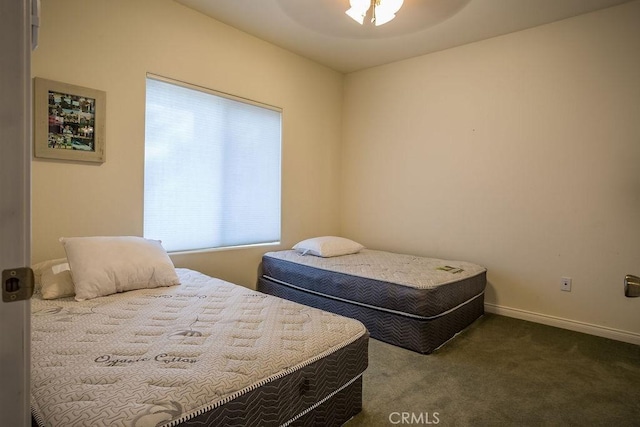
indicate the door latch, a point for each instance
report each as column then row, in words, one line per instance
column 631, row 286
column 17, row 284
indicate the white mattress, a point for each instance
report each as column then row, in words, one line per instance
column 156, row 356
column 407, row 270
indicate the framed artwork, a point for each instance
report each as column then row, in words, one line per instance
column 69, row 122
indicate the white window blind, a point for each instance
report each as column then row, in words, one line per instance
column 212, row 168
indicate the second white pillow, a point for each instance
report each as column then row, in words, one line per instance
column 56, row 282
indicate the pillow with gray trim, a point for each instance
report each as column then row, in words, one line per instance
column 56, row 282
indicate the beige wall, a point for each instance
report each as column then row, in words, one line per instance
column 521, row 153
column 111, row 45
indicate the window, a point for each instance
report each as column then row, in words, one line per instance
column 212, row 168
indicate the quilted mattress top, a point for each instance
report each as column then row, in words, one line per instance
column 407, row 270
column 160, row 356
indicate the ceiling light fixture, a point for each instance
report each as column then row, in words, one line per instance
column 383, row 10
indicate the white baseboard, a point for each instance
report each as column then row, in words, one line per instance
column 573, row 325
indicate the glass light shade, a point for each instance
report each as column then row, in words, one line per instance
column 358, row 10
column 386, row 10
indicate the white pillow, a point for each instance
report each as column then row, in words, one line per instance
column 328, row 246
column 40, row 267
column 105, row 265
column 56, row 282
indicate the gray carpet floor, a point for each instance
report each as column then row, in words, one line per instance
column 504, row 371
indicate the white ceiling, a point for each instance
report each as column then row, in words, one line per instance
column 321, row 31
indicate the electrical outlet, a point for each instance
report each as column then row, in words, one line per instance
column 565, row 284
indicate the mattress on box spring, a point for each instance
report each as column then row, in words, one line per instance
column 417, row 287
column 412, row 302
column 206, row 352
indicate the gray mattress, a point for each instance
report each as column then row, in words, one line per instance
column 206, row 352
column 413, row 302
